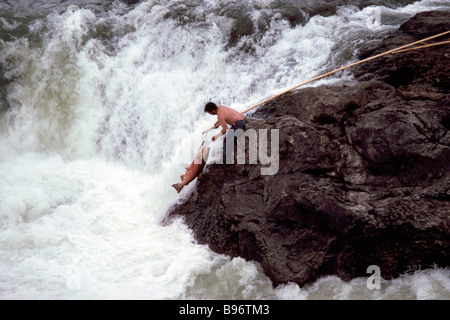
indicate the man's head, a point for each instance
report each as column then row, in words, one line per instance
column 211, row 108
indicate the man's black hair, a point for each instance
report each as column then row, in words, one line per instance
column 210, row 106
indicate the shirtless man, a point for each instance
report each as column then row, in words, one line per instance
column 225, row 116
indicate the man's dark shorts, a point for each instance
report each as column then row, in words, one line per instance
column 228, row 144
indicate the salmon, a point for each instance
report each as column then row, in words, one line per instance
column 194, row 170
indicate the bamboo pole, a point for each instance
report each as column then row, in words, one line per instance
column 424, row 46
column 392, row 51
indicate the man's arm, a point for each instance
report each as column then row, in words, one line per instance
column 223, row 123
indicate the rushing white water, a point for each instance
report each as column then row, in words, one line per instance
column 102, row 108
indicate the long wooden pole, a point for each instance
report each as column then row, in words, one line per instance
column 424, row 46
column 393, row 51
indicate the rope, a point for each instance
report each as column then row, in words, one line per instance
column 204, row 139
column 393, row 51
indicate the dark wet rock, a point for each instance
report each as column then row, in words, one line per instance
column 414, row 71
column 291, row 11
column 330, row 7
column 242, row 26
column 130, row 2
column 426, row 24
column 363, row 178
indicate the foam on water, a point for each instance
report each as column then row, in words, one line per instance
column 104, row 114
column 421, row 285
column 90, row 229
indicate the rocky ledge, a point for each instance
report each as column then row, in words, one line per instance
column 363, row 179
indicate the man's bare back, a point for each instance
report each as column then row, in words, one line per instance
column 228, row 115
